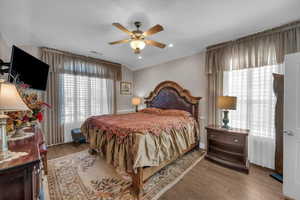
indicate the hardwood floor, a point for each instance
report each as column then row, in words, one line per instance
column 65, row 149
column 209, row 181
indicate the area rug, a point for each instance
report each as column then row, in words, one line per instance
column 83, row 176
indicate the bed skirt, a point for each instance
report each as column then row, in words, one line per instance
column 141, row 149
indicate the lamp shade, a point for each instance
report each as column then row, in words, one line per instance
column 227, row 102
column 136, row 101
column 10, row 99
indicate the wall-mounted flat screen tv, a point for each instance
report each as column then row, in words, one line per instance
column 28, row 69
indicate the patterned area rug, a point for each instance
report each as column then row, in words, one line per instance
column 82, row 176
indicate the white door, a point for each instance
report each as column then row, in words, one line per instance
column 291, row 165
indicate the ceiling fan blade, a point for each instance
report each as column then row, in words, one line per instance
column 122, row 28
column 155, row 29
column 154, row 43
column 119, row 42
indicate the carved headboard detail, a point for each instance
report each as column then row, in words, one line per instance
column 170, row 95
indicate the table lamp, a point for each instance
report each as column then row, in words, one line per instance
column 10, row 101
column 136, row 101
column 226, row 103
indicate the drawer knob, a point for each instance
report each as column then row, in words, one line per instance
column 236, row 140
column 212, row 136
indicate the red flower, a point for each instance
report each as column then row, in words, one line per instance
column 40, row 116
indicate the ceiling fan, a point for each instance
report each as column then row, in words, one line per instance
column 137, row 38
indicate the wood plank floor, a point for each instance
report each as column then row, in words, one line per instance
column 209, row 181
column 65, row 149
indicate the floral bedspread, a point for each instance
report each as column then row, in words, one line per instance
column 124, row 124
column 129, row 141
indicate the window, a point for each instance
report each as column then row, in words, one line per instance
column 83, row 96
column 255, row 109
column 255, row 99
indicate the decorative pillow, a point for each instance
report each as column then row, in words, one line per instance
column 152, row 110
column 175, row 112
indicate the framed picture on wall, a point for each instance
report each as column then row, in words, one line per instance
column 125, row 88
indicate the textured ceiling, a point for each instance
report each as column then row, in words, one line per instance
column 81, row 26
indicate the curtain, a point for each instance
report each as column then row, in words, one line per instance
column 278, row 87
column 255, row 109
column 87, row 69
column 53, row 128
column 215, row 89
column 258, row 50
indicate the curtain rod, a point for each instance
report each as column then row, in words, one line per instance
column 278, row 29
column 88, row 58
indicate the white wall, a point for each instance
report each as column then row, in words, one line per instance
column 189, row 72
column 4, row 50
column 124, row 101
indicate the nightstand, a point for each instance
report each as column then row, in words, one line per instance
column 228, row 147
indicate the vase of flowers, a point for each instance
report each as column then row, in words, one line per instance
column 22, row 119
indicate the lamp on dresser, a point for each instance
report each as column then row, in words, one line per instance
column 10, row 100
column 226, row 103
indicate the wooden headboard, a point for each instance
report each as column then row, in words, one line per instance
column 170, row 95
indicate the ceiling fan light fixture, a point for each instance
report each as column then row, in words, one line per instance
column 137, row 40
column 137, row 44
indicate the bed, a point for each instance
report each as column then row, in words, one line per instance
column 142, row 143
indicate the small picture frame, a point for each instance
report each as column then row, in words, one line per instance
column 125, row 88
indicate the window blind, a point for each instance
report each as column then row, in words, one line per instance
column 82, row 97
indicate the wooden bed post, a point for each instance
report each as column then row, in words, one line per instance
column 137, row 183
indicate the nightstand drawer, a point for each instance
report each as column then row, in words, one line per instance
column 226, row 138
column 238, row 149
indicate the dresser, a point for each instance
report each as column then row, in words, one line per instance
column 20, row 178
column 228, row 147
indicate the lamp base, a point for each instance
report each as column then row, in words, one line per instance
column 226, row 126
column 4, row 152
column 225, row 120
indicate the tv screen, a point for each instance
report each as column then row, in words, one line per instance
column 28, row 69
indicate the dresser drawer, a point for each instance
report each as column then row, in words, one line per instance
column 227, row 138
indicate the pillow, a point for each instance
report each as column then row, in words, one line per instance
column 175, row 112
column 151, row 110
